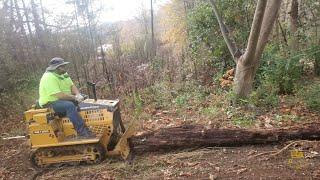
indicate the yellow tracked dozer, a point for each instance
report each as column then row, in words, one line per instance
column 54, row 141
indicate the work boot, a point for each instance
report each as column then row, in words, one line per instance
column 87, row 134
column 90, row 135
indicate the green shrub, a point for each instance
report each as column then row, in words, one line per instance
column 207, row 47
column 138, row 103
column 191, row 92
column 159, row 94
column 210, row 111
column 287, row 117
column 311, row 96
column 182, row 100
column 265, row 95
column 279, row 71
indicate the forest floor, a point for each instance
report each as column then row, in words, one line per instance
column 299, row 161
column 209, row 163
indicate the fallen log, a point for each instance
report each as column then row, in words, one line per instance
column 194, row 136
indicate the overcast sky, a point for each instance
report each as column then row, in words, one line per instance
column 115, row 10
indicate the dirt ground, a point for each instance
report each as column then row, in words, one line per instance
column 300, row 160
column 248, row 162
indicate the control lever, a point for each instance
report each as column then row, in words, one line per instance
column 93, row 88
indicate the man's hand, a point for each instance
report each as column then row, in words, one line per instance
column 79, row 98
column 64, row 96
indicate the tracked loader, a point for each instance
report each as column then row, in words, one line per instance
column 54, row 141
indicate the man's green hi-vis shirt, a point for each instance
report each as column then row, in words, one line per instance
column 52, row 83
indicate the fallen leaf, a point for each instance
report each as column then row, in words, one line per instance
column 251, row 152
column 268, row 125
column 224, row 150
column 165, row 112
column 213, row 177
column 217, row 168
column 239, row 171
column 188, row 174
column 312, row 154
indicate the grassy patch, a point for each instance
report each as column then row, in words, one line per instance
column 287, row 117
column 211, row 111
column 245, row 121
column 311, row 96
column 265, row 96
column 182, row 100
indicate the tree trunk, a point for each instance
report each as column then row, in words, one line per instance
column 27, row 18
column 9, row 31
column 248, row 63
column 91, row 30
column 153, row 48
column 34, row 51
column 294, row 13
column 20, row 21
column 25, row 40
column 76, row 68
column 38, row 29
column 317, row 63
column 233, row 49
column 43, row 17
column 194, row 136
column 103, row 59
column 283, row 33
column 243, row 81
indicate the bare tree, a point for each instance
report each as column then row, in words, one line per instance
column 248, row 62
column 153, row 48
column 37, row 25
column 20, row 23
column 25, row 10
column 43, row 17
column 144, row 20
column 9, row 30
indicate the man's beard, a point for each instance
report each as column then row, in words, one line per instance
column 60, row 71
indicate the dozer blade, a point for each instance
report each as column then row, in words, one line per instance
column 131, row 130
column 124, row 146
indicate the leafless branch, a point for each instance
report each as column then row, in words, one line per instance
column 283, row 33
column 225, row 33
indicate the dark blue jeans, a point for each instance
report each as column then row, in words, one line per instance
column 70, row 110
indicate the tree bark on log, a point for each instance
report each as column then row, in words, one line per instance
column 196, row 136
